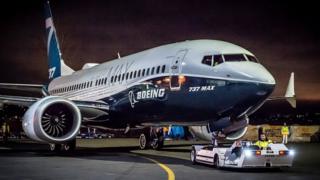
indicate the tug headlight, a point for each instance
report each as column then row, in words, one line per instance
column 247, row 153
column 291, row 152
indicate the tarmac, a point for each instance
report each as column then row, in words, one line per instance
column 122, row 159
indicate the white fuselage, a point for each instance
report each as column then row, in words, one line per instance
column 98, row 82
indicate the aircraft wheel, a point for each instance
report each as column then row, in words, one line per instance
column 70, row 146
column 144, row 141
column 158, row 143
column 55, row 147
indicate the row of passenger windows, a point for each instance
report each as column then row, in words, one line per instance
column 213, row 60
column 114, row 79
column 138, row 73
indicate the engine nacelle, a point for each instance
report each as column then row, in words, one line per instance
column 237, row 134
column 202, row 132
column 232, row 130
column 52, row 119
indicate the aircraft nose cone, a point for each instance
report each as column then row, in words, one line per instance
column 252, row 71
column 265, row 76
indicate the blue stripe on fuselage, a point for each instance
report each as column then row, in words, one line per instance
column 225, row 98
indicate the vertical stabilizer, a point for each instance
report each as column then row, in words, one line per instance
column 57, row 67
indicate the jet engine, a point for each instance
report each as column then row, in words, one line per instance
column 232, row 130
column 237, row 134
column 52, row 119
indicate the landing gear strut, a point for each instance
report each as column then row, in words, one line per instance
column 152, row 138
column 67, row 147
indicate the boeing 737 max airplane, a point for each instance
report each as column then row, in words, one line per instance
column 198, row 82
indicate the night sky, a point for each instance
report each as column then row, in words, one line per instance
column 283, row 35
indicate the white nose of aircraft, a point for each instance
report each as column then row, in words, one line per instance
column 260, row 73
column 251, row 71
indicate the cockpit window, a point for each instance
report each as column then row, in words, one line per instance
column 234, row 57
column 252, row 58
column 212, row 60
column 217, row 59
column 207, row 60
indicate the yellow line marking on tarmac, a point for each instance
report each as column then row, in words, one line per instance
column 170, row 173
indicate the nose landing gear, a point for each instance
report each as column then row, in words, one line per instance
column 152, row 139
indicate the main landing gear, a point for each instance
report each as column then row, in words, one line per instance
column 66, row 147
column 152, row 138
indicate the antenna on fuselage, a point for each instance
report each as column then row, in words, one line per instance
column 119, row 57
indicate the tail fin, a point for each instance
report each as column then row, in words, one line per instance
column 290, row 93
column 57, row 67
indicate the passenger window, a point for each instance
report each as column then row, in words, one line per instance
column 163, row 69
column 127, row 76
column 148, row 70
column 131, row 75
column 158, row 69
column 143, row 72
column 234, row 57
column 111, row 79
column 152, row 71
column 139, row 72
column 135, row 74
column 122, row 77
column 119, row 77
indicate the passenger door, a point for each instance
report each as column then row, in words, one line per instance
column 176, row 69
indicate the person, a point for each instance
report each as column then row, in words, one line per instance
column 214, row 140
column 236, row 148
column 263, row 142
column 285, row 133
column 260, row 131
column 5, row 132
column 214, row 137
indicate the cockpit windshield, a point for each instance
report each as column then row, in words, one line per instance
column 213, row 60
column 252, row 58
column 234, row 57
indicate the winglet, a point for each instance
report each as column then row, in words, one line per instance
column 290, row 93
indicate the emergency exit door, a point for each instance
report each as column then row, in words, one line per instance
column 176, row 69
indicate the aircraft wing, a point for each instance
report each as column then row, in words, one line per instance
column 28, row 101
column 33, row 88
column 40, row 89
column 17, row 100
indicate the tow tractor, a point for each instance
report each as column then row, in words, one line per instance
column 242, row 154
